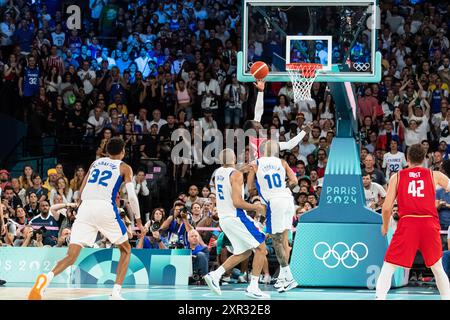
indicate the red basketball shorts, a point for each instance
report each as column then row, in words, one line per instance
column 412, row 234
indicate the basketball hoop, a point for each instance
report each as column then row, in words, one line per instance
column 302, row 76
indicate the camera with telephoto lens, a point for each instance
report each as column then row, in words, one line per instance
column 154, row 227
column 184, row 212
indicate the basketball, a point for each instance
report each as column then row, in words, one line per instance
column 259, row 70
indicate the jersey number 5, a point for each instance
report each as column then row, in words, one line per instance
column 415, row 188
column 104, row 176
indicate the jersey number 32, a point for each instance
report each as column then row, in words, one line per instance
column 100, row 177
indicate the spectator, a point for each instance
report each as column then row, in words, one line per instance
column 19, row 192
column 374, row 193
column 235, row 95
column 176, row 226
column 38, row 188
column 46, row 220
column 376, row 175
column 193, row 196
column 200, row 253
column 52, row 177
column 209, row 91
column 63, row 190
column 394, row 160
column 10, row 200
column 32, row 207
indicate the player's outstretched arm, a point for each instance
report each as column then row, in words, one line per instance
column 237, row 182
column 291, row 144
column 127, row 174
column 259, row 106
column 389, row 203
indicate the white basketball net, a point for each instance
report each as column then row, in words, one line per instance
column 302, row 77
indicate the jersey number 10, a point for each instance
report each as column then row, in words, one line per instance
column 415, row 188
column 104, row 176
column 275, row 178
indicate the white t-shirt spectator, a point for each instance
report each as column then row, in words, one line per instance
column 97, row 125
column 373, row 194
column 282, row 112
column 142, row 65
column 304, row 106
column 87, row 85
column 205, row 125
column 412, row 137
column 203, row 88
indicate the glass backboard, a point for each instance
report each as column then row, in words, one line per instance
column 341, row 35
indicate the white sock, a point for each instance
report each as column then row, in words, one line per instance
column 441, row 280
column 384, row 280
column 218, row 273
column 50, row 276
column 116, row 289
column 287, row 272
column 254, row 281
column 281, row 274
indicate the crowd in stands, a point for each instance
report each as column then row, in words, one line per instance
column 142, row 69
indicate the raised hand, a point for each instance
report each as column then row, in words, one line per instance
column 260, row 85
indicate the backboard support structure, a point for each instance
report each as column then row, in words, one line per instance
column 268, row 28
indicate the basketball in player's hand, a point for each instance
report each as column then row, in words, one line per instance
column 259, row 70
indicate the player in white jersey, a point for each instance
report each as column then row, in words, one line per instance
column 270, row 173
column 98, row 212
column 239, row 228
column 393, row 161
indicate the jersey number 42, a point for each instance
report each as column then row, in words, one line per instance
column 415, row 188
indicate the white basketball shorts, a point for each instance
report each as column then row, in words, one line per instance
column 279, row 214
column 94, row 216
column 242, row 232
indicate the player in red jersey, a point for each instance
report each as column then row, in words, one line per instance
column 418, row 227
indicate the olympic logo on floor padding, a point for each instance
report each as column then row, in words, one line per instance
column 333, row 256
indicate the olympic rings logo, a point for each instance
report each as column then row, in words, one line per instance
column 361, row 66
column 333, row 256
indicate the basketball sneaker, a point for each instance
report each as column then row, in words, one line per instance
column 256, row 293
column 279, row 283
column 288, row 285
column 213, row 283
column 39, row 287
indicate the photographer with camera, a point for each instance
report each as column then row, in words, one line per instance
column 64, row 238
column 29, row 238
column 177, row 226
column 153, row 238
